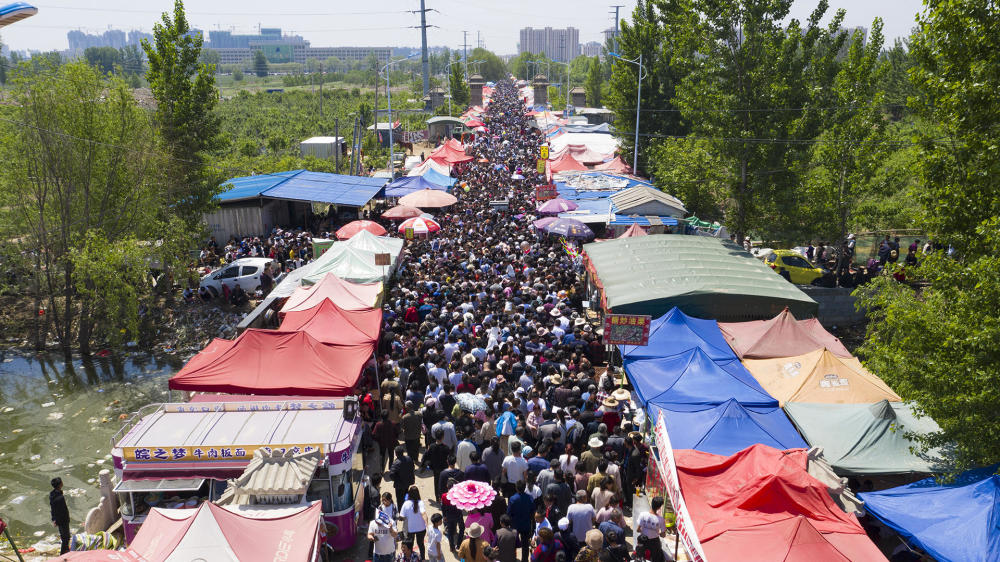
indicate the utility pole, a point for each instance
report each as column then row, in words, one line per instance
column 423, row 51
column 614, row 38
column 321, row 91
column 465, row 53
column 336, row 144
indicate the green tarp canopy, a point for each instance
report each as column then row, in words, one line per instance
column 704, row 277
column 368, row 242
column 862, row 439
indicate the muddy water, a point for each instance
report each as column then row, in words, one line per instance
column 57, row 419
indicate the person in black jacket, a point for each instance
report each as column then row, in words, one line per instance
column 403, row 474
column 436, row 458
column 60, row 513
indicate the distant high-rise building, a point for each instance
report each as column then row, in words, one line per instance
column 592, row 49
column 80, row 41
column 558, row 44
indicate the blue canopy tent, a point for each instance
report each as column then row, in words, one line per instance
column 692, row 378
column 676, row 332
column 437, row 177
column 11, row 13
column 952, row 522
column 727, row 428
column 410, row 184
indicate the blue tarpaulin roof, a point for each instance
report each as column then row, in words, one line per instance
column 251, row 187
column 640, row 220
column 437, row 177
column 303, row 185
column 411, row 184
column 954, row 522
column 676, row 332
column 727, row 428
column 692, row 378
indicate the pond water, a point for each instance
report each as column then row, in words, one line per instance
column 57, row 419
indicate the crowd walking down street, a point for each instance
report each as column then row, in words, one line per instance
column 490, row 372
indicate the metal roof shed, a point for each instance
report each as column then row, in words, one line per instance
column 321, row 187
column 645, row 200
column 704, row 277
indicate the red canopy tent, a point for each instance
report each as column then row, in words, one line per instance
column 455, row 144
column 346, row 295
column 272, row 362
column 449, row 154
column 617, row 165
column 581, row 153
column 633, row 230
column 564, row 163
column 214, row 533
column 760, row 486
column 790, row 540
column 331, row 324
column 781, row 336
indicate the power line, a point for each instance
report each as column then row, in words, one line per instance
column 276, row 14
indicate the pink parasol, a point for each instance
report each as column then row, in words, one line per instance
column 471, row 495
column 428, row 198
column 402, row 212
column 352, row 228
column 420, row 225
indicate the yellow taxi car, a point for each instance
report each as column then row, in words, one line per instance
column 793, row 266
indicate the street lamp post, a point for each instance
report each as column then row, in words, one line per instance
column 566, row 85
column 388, row 95
column 638, row 102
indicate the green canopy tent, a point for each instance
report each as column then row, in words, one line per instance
column 349, row 263
column 866, row 439
column 704, row 277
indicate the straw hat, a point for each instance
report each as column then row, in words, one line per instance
column 611, row 402
column 621, row 395
column 556, row 379
column 594, row 539
column 579, row 322
column 476, row 531
column 595, row 443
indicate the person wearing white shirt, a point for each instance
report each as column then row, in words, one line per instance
column 449, row 349
column 514, row 466
column 455, row 379
column 414, row 514
column 650, row 524
column 449, row 433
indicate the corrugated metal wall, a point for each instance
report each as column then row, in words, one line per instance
column 236, row 220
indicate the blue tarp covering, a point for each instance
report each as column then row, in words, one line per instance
column 676, row 332
column 640, row 220
column 957, row 522
column 727, row 428
column 692, row 378
column 251, row 187
column 302, row 185
column 410, row 184
column 437, row 177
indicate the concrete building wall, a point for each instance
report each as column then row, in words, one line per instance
column 558, row 44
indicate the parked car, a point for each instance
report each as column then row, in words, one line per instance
column 245, row 271
column 793, row 266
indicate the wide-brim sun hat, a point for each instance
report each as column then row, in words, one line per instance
column 610, row 402
column 476, row 530
column 621, row 395
column 595, row 443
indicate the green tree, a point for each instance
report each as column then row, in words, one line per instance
column 186, row 96
column 457, row 86
column 104, row 59
column 647, row 34
column 594, row 82
column 259, row 63
column 237, row 75
column 850, row 147
column 492, row 69
column 897, row 84
column 938, row 347
column 210, row 58
column 82, row 181
column 957, row 86
column 747, row 64
column 692, row 171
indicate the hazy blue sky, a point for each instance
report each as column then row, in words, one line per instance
column 382, row 22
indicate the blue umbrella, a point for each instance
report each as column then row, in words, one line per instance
column 570, row 228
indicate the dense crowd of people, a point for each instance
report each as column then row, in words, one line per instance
column 489, row 370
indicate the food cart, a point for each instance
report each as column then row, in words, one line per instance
column 179, row 455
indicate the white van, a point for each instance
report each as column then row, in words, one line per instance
column 244, row 271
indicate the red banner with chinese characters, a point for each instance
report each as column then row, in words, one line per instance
column 546, row 192
column 626, row 329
